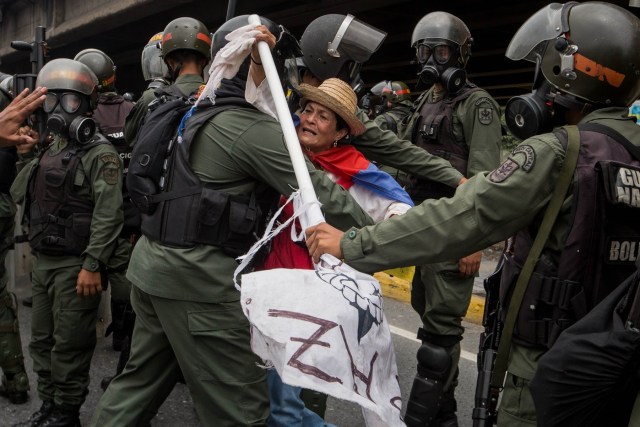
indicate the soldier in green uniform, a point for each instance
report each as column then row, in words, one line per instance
column 73, row 208
column 513, row 198
column 455, row 120
column 109, row 115
column 395, row 104
column 178, row 46
column 15, row 383
column 187, row 308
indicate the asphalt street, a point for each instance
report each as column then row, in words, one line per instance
column 178, row 410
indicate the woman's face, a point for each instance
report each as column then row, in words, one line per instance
column 317, row 129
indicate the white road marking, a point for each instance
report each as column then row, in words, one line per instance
column 412, row 336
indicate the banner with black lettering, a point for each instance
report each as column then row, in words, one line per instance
column 326, row 330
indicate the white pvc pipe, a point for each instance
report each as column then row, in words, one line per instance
column 307, row 193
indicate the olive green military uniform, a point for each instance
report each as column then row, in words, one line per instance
column 188, row 311
column 14, row 378
column 483, row 212
column 63, row 325
column 186, row 84
column 386, row 148
column 440, row 294
column 396, row 114
column 393, row 117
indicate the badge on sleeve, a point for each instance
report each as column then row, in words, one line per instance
column 504, row 171
column 111, row 168
column 526, row 153
column 485, row 111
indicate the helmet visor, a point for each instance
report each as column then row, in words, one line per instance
column 356, row 39
column 546, row 24
column 153, row 65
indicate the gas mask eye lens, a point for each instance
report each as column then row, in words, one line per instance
column 442, row 54
column 423, row 52
column 70, row 102
column 50, row 102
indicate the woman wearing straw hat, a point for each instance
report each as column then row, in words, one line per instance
column 327, row 121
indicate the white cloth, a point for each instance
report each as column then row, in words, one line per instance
column 326, row 330
column 227, row 61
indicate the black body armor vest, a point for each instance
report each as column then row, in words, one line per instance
column 59, row 219
column 190, row 212
column 600, row 250
column 433, row 131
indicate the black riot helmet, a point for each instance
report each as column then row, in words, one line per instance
column 71, row 94
column 575, row 69
column 153, row 67
column 443, row 47
column 186, row 34
column 101, row 65
column 285, row 52
column 337, row 45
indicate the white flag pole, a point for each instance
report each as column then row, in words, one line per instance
column 307, row 193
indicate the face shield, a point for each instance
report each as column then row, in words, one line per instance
column 153, row 65
column 546, row 24
column 356, row 40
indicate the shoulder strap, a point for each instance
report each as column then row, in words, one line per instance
column 550, row 215
column 391, row 124
column 614, row 134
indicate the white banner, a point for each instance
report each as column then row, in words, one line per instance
column 326, row 330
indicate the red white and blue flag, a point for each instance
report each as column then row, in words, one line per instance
column 351, row 167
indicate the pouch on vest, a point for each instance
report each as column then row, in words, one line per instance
column 152, row 145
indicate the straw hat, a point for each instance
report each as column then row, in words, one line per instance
column 338, row 97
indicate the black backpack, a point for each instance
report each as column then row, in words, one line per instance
column 153, row 144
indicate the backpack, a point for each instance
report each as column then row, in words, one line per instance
column 153, row 143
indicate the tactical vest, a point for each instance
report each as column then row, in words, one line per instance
column 110, row 117
column 8, row 159
column 190, row 212
column 600, row 250
column 59, row 219
column 394, row 116
column 433, row 131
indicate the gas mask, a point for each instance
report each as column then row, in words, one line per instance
column 533, row 113
column 66, row 116
column 439, row 63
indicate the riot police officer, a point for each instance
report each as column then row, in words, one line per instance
column 455, row 120
column 186, row 50
column 109, row 114
column 73, row 208
column 580, row 80
column 391, row 103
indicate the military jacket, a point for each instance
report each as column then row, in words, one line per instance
column 488, row 208
column 385, row 147
column 98, row 178
column 243, row 150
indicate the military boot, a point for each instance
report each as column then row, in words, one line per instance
column 37, row 417
column 61, row 417
column 14, row 387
